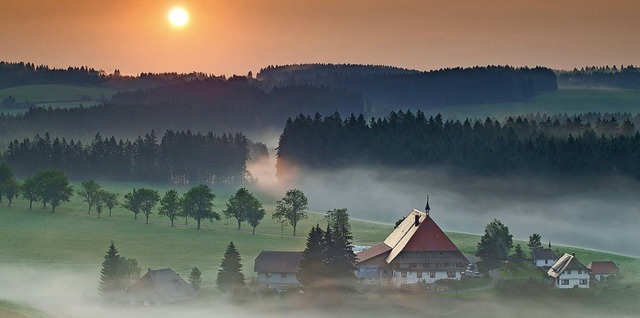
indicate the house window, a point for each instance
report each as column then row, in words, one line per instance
column 583, row 282
column 546, row 261
column 268, row 275
column 419, row 275
column 404, row 265
column 564, row 282
column 568, row 272
column 283, row 275
column 403, row 274
column 579, row 272
column 451, row 274
column 413, row 265
column 432, row 274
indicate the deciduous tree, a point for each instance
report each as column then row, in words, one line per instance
column 243, row 206
column 170, row 205
column 141, row 200
column 90, row 192
column 495, row 244
column 197, row 203
column 292, row 207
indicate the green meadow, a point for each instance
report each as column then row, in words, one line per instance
column 565, row 100
column 72, row 238
column 55, row 95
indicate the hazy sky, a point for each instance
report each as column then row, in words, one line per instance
column 235, row 36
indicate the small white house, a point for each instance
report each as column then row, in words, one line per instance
column 543, row 257
column 278, row 269
column 602, row 269
column 568, row 272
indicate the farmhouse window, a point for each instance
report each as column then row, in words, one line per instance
column 403, row 274
column 579, row 272
column 451, row 274
column 432, row 274
column 419, row 275
column 283, row 275
column 268, row 275
column 413, row 265
column 568, row 272
column 564, row 282
column 583, row 282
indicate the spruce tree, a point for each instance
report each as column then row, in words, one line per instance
column 312, row 266
column 230, row 273
column 111, row 275
column 195, row 278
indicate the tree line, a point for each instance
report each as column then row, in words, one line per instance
column 179, row 157
column 405, row 139
column 625, row 77
column 21, row 73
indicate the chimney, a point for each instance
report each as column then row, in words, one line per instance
column 417, row 220
column 573, row 254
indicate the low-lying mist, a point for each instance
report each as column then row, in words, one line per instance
column 597, row 213
column 73, row 294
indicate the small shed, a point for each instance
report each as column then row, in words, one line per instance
column 158, row 287
column 603, row 269
column 543, row 257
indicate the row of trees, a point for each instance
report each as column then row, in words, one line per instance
column 177, row 158
column 626, row 77
column 405, row 139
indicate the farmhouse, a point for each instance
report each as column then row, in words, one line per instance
column 543, row 257
column 568, row 272
column 158, row 287
column 277, row 269
column 600, row 270
column 416, row 251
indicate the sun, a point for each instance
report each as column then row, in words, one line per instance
column 178, row 16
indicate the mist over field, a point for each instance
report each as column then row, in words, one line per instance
column 73, row 294
column 597, row 213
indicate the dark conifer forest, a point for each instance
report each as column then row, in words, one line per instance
column 489, row 147
column 180, row 157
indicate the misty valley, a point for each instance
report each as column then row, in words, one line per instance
column 317, row 190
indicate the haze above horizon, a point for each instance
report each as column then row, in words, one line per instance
column 234, row 37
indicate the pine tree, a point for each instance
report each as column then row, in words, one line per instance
column 230, row 273
column 195, row 278
column 312, row 265
column 111, row 275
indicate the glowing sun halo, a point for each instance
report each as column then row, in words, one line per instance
column 178, row 17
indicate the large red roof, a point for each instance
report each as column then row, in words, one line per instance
column 429, row 237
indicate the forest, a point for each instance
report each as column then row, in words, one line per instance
column 624, row 77
column 386, row 88
column 490, row 147
column 179, row 157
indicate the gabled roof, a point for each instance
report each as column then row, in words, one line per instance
column 277, row 262
column 567, row 261
column 543, row 253
column 161, row 284
column 603, row 267
column 426, row 236
column 372, row 252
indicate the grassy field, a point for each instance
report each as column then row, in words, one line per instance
column 570, row 101
column 71, row 238
column 57, row 95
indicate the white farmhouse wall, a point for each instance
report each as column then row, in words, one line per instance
column 277, row 279
column 412, row 277
column 573, row 278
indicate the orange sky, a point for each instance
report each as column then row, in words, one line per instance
column 235, row 36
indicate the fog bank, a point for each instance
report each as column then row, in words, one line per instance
column 599, row 213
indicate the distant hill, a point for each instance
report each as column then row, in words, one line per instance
column 601, row 77
column 386, row 88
